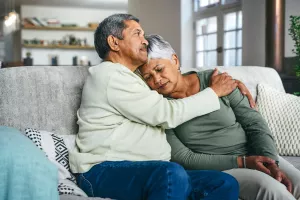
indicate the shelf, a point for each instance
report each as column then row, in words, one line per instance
column 58, row 28
column 58, row 46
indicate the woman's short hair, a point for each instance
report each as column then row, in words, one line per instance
column 112, row 25
column 159, row 48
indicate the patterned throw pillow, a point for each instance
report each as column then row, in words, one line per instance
column 56, row 147
column 282, row 113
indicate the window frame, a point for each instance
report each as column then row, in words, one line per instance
column 219, row 10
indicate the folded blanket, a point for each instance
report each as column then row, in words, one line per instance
column 25, row 172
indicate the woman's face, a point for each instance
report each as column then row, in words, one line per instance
column 161, row 74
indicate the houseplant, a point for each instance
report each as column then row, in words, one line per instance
column 294, row 32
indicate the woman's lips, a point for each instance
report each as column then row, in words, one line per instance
column 163, row 85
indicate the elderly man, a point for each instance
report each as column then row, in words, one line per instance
column 122, row 148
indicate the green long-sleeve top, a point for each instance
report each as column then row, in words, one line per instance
column 215, row 140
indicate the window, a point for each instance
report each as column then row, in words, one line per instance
column 218, row 32
column 206, row 42
column 233, row 39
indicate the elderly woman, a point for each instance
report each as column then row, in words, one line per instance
column 234, row 139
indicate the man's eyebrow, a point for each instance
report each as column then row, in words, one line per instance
column 139, row 30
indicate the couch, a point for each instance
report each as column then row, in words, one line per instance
column 47, row 97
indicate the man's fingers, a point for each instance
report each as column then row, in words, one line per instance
column 262, row 168
column 250, row 99
column 215, row 73
column 252, row 102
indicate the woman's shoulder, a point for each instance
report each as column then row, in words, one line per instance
column 206, row 73
column 205, row 76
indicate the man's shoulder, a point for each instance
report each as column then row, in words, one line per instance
column 104, row 68
column 108, row 74
column 108, row 68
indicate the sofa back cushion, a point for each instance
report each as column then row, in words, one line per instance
column 48, row 97
column 43, row 97
column 251, row 76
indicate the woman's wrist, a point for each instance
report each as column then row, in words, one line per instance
column 240, row 162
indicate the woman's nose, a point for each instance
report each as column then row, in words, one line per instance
column 157, row 79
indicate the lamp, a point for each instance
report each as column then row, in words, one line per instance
column 12, row 20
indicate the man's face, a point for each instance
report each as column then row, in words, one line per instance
column 134, row 45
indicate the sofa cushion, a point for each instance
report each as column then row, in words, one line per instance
column 25, row 172
column 72, row 197
column 56, row 148
column 282, row 113
column 44, row 97
column 251, row 76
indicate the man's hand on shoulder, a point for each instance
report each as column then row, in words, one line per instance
column 222, row 84
column 244, row 90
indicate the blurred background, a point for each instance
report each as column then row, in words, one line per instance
column 204, row 33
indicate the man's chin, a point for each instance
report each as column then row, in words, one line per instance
column 144, row 60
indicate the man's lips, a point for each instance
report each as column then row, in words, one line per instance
column 143, row 49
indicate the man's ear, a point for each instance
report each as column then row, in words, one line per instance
column 113, row 43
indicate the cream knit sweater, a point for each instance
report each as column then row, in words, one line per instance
column 120, row 118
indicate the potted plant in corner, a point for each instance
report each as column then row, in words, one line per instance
column 294, row 32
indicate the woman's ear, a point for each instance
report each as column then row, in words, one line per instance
column 113, row 43
column 175, row 60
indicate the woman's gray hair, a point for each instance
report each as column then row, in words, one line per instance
column 112, row 25
column 159, row 48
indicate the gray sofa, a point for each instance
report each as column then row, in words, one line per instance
column 47, row 97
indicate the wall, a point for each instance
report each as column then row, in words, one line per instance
column 292, row 7
column 160, row 17
column 81, row 16
column 187, row 35
column 254, row 30
column 2, row 47
column 254, row 25
column 173, row 19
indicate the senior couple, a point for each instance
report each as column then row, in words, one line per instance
column 128, row 133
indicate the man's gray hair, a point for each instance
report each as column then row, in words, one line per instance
column 159, row 48
column 112, row 25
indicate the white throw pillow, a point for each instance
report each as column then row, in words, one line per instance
column 282, row 113
column 57, row 147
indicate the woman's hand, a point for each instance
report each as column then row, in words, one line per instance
column 256, row 162
column 244, row 90
column 268, row 166
column 280, row 176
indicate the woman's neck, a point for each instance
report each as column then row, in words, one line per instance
column 187, row 85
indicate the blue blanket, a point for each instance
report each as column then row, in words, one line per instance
column 25, row 172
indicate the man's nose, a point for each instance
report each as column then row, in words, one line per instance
column 145, row 42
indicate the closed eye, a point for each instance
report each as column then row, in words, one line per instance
column 159, row 69
column 138, row 32
column 147, row 78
